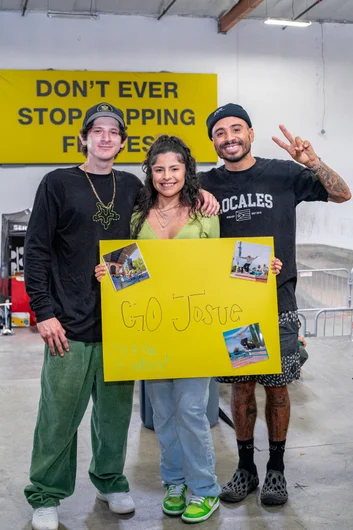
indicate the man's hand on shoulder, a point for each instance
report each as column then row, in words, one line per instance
column 210, row 204
column 53, row 335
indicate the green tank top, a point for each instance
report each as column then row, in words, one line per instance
column 193, row 229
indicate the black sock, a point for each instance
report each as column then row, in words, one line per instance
column 246, row 454
column 276, row 456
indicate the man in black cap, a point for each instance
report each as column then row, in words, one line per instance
column 74, row 208
column 258, row 197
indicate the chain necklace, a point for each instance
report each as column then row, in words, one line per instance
column 163, row 226
column 162, row 212
column 165, row 218
column 105, row 213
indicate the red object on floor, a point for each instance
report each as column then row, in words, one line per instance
column 20, row 299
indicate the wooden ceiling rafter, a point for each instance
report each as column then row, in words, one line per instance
column 241, row 10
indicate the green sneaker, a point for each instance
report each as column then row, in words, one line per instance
column 174, row 501
column 200, row 508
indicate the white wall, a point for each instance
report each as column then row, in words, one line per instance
column 277, row 75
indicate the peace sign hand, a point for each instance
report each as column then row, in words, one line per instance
column 301, row 151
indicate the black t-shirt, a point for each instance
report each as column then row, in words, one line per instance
column 61, row 247
column 261, row 201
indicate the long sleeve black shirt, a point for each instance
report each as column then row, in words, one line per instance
column 61, row 246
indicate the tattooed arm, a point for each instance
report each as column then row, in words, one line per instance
column 303, row 152
column 335, row 186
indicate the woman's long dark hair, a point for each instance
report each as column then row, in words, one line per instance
column 190, row 194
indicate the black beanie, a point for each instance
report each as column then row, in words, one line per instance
column 231, row 109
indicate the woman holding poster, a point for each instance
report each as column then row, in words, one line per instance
column 168, row 209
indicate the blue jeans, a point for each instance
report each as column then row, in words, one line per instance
column 184, row 433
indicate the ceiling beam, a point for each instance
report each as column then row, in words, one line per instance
column 305, row 11
column 24, row 9
column 242, row 9
column 166, row 9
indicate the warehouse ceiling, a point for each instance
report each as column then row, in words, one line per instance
column 323, row 11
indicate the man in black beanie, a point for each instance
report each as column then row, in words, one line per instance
column 258, row 197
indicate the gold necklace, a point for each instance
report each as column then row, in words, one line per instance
column 105, row 214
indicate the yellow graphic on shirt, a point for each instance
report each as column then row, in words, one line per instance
column 105, row 215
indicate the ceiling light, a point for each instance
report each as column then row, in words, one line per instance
column 71, row 14
column 284, row 22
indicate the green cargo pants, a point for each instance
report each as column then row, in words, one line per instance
column 66, row 386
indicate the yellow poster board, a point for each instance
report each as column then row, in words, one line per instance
column 171, row 309
column 44, row 110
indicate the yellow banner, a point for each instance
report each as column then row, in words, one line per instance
column 188, row 308
column 43, row 112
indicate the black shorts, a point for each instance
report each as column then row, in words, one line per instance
column 288, row 335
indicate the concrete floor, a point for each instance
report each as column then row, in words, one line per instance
column 319, row 455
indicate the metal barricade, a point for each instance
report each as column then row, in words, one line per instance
column 5, row 318
column 324, row 299
column 333, row 322
column 321, row 288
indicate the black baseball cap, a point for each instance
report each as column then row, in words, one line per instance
column 230, row 109
column 104, row 110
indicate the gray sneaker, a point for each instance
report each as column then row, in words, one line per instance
column 274, row 491
column 242, row 483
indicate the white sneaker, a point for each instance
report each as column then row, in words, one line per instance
column 45, row 519
column 118, row 502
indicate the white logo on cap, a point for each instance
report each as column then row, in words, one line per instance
column 104, row 108
column 217, row 111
